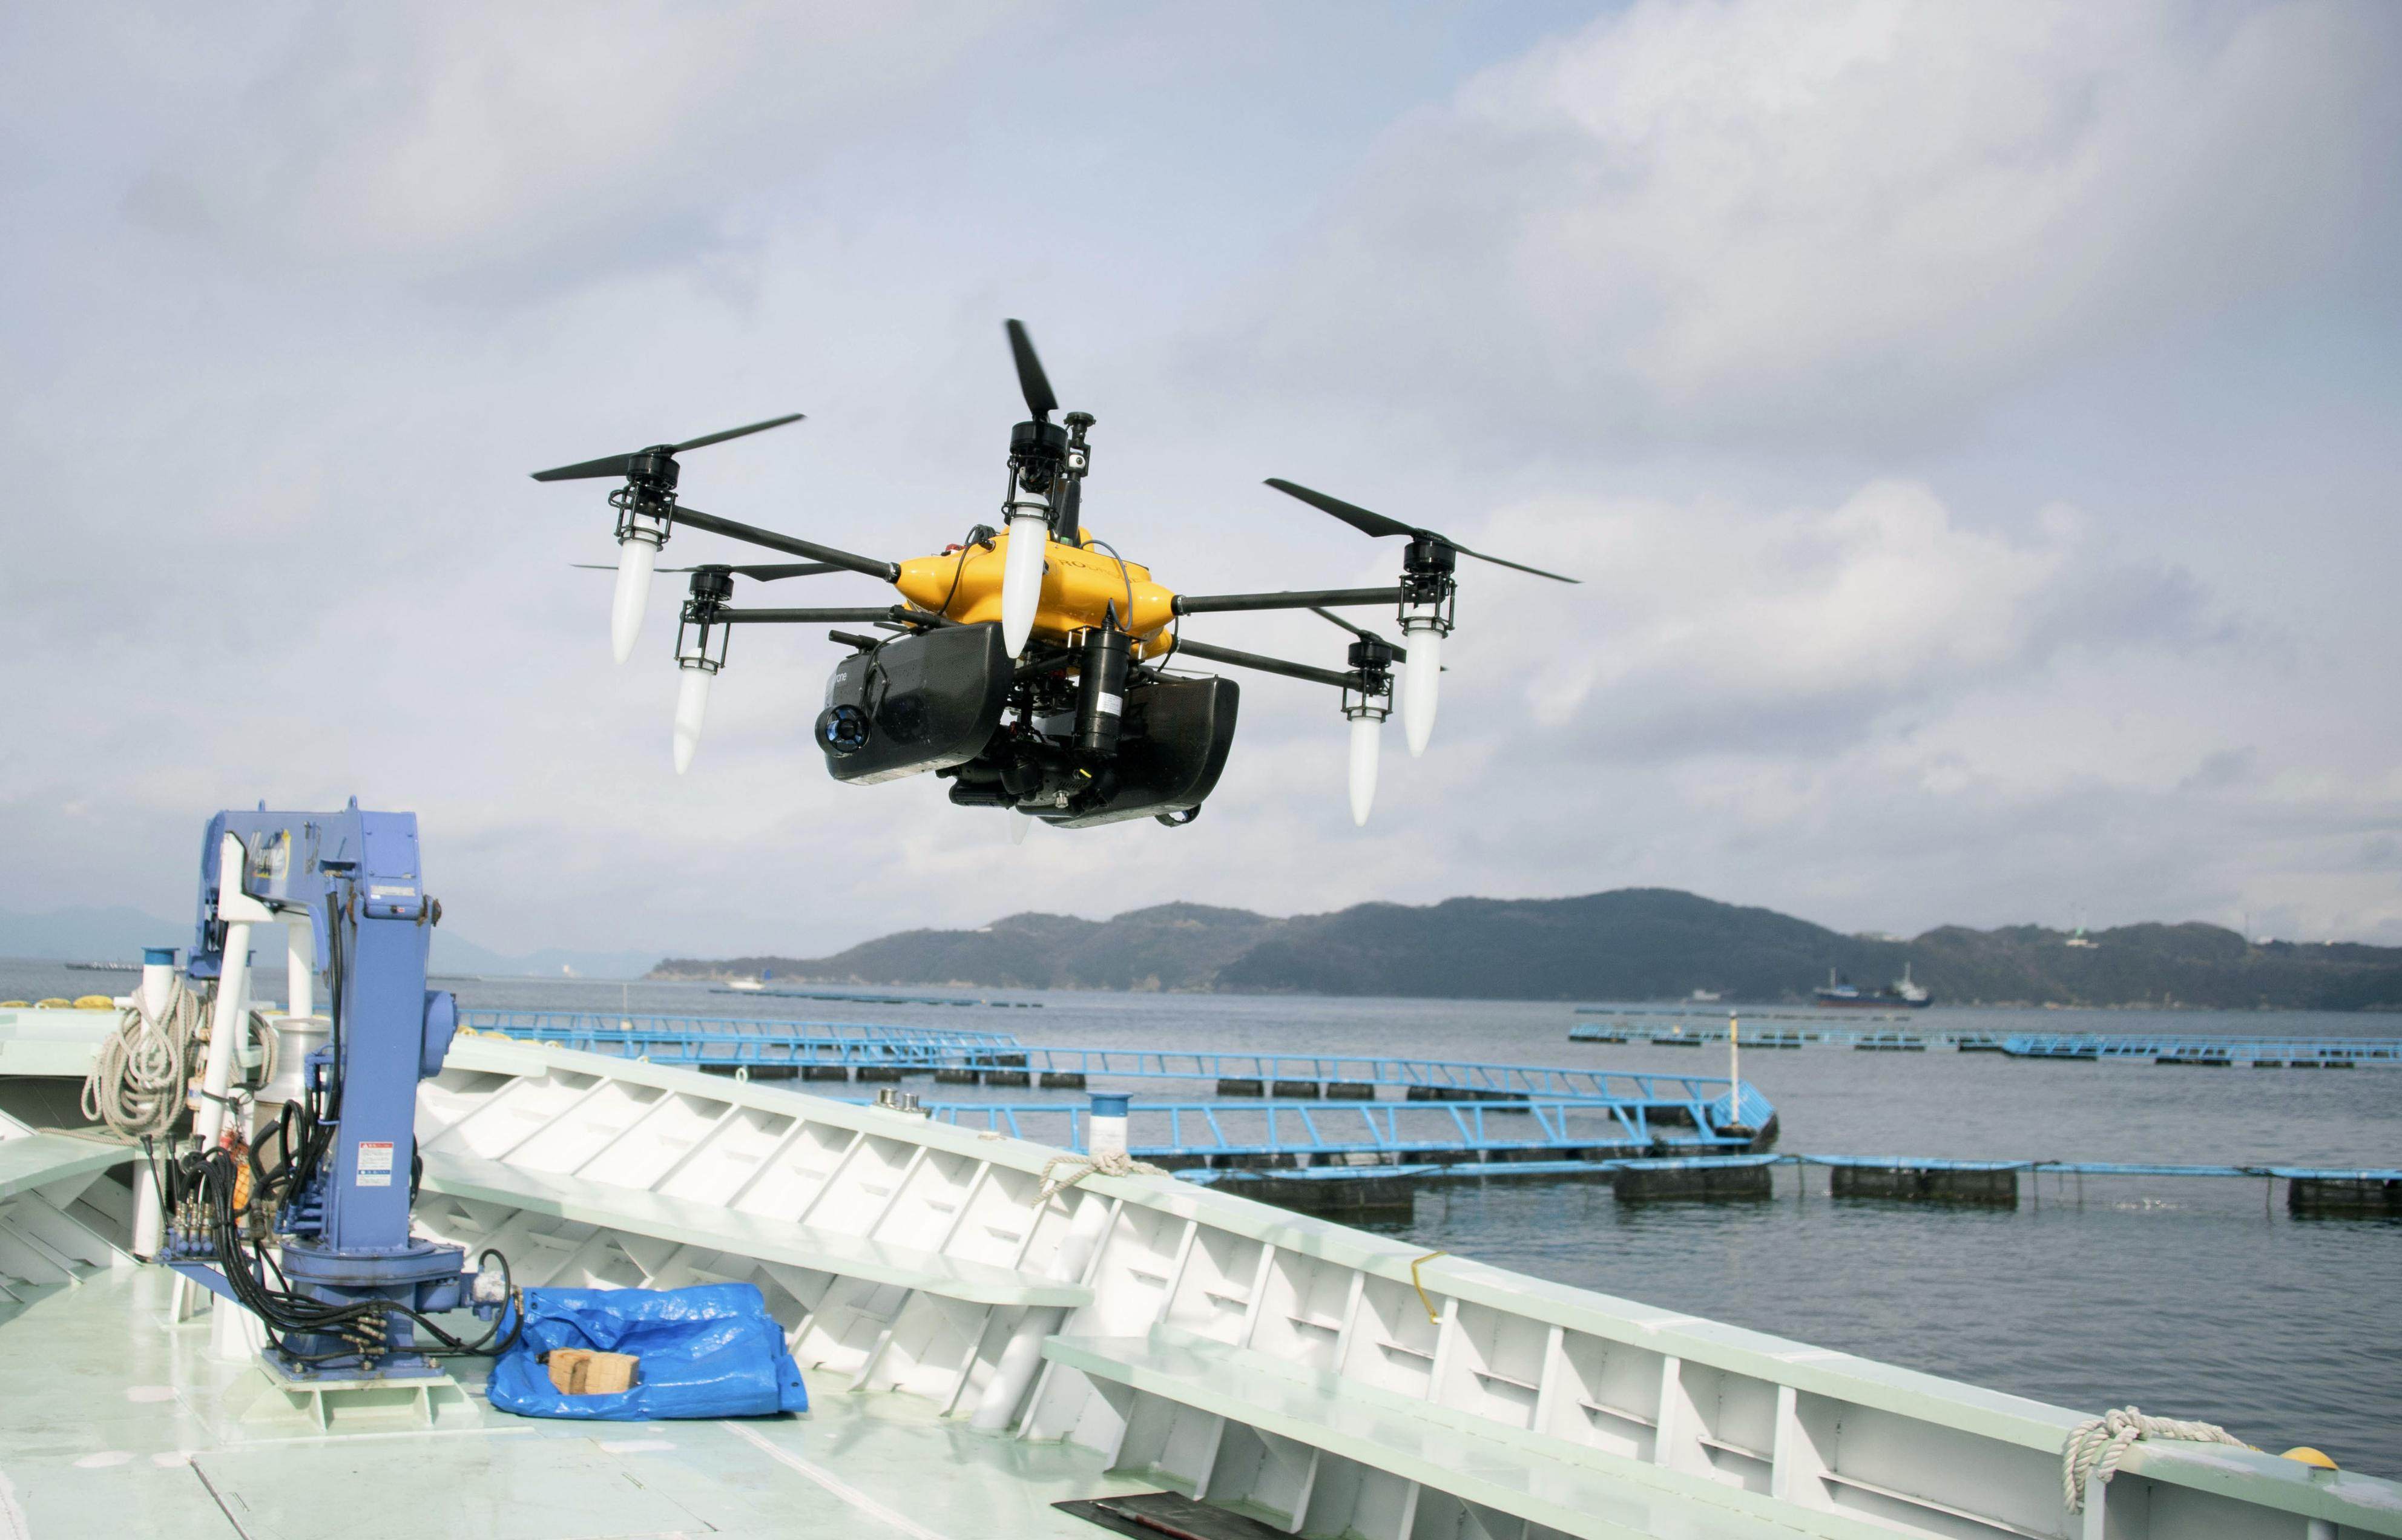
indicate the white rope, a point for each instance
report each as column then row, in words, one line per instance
column 2094, row 1448
column 263, row 1034
column 1115, row 1162
column 138, row 1078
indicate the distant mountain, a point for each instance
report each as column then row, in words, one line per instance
column 454, row 955
column 1631, row 945
column 107, row 934
column 1179, row 947
column 120, row 935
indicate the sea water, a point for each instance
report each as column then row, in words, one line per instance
column 2187, row 1298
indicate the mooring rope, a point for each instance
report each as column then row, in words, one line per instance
column 137, row 1081
column 2094, row 1448
column 1114, row 1162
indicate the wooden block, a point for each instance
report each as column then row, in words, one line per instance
column 581, row 1371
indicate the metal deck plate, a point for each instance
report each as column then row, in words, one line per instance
column 1149, row 1515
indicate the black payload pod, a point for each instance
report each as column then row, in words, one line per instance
column 1124, row 745
column 914, row 703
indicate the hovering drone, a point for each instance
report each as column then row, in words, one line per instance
column 1030, row 665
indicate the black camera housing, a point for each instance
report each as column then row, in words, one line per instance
column 930, row 700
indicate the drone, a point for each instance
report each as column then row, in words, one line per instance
column 1030, row 664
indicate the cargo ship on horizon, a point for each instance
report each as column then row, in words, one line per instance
column 1839, row 993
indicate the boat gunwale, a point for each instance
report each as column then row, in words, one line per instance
column 2356, row 1500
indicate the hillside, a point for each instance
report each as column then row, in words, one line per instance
column 120, row 935
column 1172, row 946
column 1631, row 944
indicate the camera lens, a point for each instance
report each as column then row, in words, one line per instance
column 842, row 730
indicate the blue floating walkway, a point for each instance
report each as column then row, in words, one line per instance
column 734, row 1038
column 838, row 1050
column 2210, row 1051
column 1378, row 1137
column 2165, row 1048
column 1689, row 1032
column 852, row 997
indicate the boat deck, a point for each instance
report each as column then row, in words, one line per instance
column 1016, row 1344
column 116, row 1420
column 116, row 1423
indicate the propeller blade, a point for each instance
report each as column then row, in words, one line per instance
column 1349, row 513
column 1359, row 631
column 1377, row 524
column 618, row 465
column 1018, row 825
column 1030, row 377
column 1501, row 561
column 615, row 465
column 743, row 432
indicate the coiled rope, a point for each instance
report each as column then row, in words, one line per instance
column 138, row 1078
column 143, row 1071
column 1114, row 1162
column 2094, row 1448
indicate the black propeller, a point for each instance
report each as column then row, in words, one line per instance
column 1359, row 631
column 1030, row 377
column 1371, row 523
column 764, row 572
column 619, row 466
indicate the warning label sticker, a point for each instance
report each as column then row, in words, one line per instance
column 375, row 1163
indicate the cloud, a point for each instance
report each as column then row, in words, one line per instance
column 468, row 146
column 1747, row 219
column 272, row 434
column 1709, row 628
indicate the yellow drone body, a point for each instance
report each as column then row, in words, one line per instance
column 1082, row 587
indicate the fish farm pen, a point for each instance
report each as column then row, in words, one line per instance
column 854, row 999
column 1353, row 1132
column 1720, row 1012
column 1369, row 1134
column 616, row 1027
column 817, row 1051
column 2310, row 1192
column 2187, row 1048
column 2197, row 1049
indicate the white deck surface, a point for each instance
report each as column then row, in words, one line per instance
column 114, row 1423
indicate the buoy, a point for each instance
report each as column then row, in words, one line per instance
column 94, row 1002
column 54, row 1003
column 2304, row 1454
column 16, row 1005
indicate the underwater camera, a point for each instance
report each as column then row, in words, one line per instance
column 951, row 701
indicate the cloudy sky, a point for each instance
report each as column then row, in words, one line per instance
column 1979, row 427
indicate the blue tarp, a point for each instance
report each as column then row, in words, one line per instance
column 710, row 1351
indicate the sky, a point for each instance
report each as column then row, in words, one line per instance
column 1978, row 427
